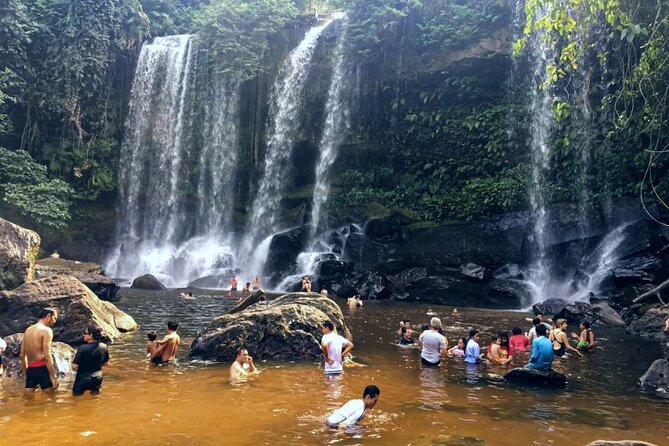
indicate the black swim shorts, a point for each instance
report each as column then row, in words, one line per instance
column 38, row 377
column 87, row 381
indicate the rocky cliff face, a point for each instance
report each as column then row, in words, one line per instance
column 18, row 253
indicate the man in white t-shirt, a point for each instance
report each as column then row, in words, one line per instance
column 354, row 411
column 334, row 347
column 433, row 344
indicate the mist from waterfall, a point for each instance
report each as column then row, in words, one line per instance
column 285, row 112
column 167, row 132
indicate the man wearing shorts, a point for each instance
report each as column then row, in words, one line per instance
column 35, row 356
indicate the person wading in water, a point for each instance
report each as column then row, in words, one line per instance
column 35, row 356
column 171, row 342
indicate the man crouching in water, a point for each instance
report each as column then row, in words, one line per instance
column 237, row 370
column 170, row 344
column 36, row 359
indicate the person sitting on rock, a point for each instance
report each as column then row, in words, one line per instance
column 247, row 288
column 586, row 340
column 243, row 366
column 542, row 351
column 233, row 283
column 306, row 284
column 324, row 292
column 255, row 284
column 88, row 362
column 353, row 411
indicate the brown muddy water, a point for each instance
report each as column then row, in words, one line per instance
column 194, row 404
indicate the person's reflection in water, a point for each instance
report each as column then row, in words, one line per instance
column 432, row 393
column 472, row 373
column 333, row 386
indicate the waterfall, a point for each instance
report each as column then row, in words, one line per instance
column 171, row 132
column 285, row 114
column 150, row 205
column 541, row 126
column 337, row 122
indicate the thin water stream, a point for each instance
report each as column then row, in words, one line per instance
column 286, row 404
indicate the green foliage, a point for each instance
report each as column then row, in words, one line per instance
column 452, row 24
column 25, row 187
column 237, row 33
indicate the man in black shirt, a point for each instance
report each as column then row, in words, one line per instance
column 88, row 362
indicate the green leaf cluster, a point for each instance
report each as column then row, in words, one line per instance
column 26, row 189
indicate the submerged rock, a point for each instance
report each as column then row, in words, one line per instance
column 77, row 307
column 18, row 252
column 88, row 273
column 656, row 378
column 286, row 328
column 61, row 352
column 530, row 377
column 147, row 282
column 448, row 440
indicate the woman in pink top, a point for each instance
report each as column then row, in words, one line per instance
column 519, row 341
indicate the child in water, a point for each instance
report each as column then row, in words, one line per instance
column 153, row 349
column 586, row 341
column 458, row 350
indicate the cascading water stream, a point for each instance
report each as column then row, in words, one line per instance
column 285, row 117
column 337, row 123
column 541, row 100
column 166, row 132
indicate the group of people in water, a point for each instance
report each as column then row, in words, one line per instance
column 544, row 340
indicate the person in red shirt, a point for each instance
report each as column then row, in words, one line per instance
column 519, row 342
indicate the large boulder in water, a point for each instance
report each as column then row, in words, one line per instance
column 285, row 328
column 525, row 376
column 77, row 307
column 62, row 355
column 88, row 273
column 651, row 324
column 656, row 378
column 147, row 282
column 18, row 252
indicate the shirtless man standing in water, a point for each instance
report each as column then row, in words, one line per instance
column 35, row 357
column 171, row 342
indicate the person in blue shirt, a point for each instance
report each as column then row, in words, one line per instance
column 472, row 350
column 542, row 351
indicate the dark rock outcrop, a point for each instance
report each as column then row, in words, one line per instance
column 62, row 354
column 476, row 272
column 656, row 378
column 549, row 307
column 286, row 328
column 88, row 273
column 284, row 249
column 214, row 281
column 530, row 377
column 599, row 313
column 651, row 324
column 18, row 252
column 77, row 307
column 147, row 282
